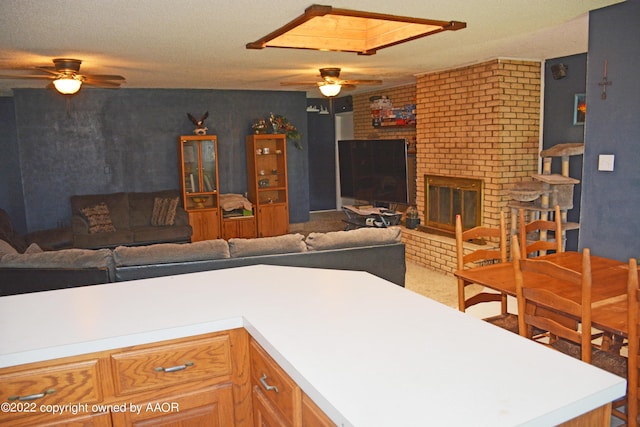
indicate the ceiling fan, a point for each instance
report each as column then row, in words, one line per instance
column 66, row 77
column 331, row 83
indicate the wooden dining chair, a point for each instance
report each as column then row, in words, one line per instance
column 633, row 300
column 565, row 323
column 534, row 236
column 492, row 248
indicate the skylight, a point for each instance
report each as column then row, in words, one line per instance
column 343, row 30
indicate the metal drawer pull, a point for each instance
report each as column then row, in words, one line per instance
column 263, row 381
column 174, row 368
column 32, row 396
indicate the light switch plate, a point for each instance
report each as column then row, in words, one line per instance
column 605, row 162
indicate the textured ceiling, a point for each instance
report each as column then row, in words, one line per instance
column 200, row 44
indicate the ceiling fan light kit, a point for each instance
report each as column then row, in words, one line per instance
column 67, row 84
column 329, row 89
column 344, row 30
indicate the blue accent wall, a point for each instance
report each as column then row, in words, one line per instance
column 105, row 141
column 610, row 209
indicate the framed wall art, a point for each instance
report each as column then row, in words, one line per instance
column 579, row 108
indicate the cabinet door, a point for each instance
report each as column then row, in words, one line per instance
column 264, row 414
column 312, row 416
column 205, row 225
column 244, row 228
column 24, row 391
column 90, row 420
column 275, row 386
column 247, row 228
column 273, row 220
column 210, row 407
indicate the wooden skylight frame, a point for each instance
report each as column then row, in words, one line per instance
column 343, row 30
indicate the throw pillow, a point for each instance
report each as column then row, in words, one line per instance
column 98, row 218
column 164, row 211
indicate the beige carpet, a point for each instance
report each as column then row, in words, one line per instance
column 432, row 284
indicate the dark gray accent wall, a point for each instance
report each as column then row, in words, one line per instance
column 558, row 124
column 610, row 209
column 11, row 196
column 104, row 141
column 322, row 157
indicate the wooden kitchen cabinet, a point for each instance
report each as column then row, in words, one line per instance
column 220, row 379
column 201, row 380
column 277, row 399
column 268, row 183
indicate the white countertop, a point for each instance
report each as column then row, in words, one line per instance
column 368, row 352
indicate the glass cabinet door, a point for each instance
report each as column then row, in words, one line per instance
column 199, row 172
column 191, row 161
column 208, row 165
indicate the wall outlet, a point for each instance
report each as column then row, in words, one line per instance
column 605, row 162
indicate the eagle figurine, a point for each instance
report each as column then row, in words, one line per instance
column 200, row 129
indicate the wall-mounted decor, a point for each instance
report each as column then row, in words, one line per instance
column 579, row 108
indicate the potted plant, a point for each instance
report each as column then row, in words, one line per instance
column 412, row 218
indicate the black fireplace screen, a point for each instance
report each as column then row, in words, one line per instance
column 448, row 196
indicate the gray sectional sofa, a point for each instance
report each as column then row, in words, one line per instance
column 375, row 250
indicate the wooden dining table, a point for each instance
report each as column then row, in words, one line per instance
column 608, row 291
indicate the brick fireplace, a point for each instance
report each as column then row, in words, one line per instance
column 477, row 122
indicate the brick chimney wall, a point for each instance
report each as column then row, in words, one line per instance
column 481, row 121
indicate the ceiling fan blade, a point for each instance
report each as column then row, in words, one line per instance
column 361, row 82
column 16, row 76
column 103, row 77
column 50, row 70
column 298, row 83
column 101, row 83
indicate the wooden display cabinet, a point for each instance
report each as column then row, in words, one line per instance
column 198, row 159
column 267, row 182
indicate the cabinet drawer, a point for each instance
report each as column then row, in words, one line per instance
column 275, row 384
column 150, row 367
column 26, row 390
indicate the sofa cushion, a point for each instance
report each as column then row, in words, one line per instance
column 346, row 239
column 164, row 253
column 162, row 234
column 98, row 218
column 6, row 248
column 33, row 248
column 164, row 210
column 288, row 243
column 118, row 204
column 65, row 258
